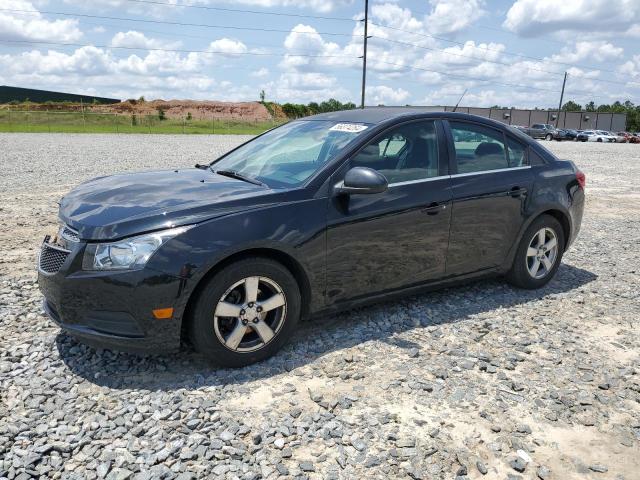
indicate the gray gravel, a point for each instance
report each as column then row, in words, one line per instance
column 479, row 381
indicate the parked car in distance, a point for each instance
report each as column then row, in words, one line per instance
column 319, row 215
column 539, row 131
column 629, row 137
column 583, row 135
column 618, row 138
column 608, row 135
column 565, row 134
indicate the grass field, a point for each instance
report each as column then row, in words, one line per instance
column 77, row 122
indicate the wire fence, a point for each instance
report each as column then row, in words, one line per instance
column 90, row 122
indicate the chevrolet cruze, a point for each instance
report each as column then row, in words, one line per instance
column 319, row 215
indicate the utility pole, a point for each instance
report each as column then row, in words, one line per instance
column 561, row 96
column 364, row 56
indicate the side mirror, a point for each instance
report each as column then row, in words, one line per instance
column 362, row 180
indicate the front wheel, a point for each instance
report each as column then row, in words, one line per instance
column 245, row 313
column 539, row 254
column 549, row 137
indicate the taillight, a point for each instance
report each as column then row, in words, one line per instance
column 582, row 180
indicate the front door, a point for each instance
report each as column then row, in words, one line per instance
column 490, row 181
column 382, row 242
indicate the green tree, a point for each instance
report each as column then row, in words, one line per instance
column 262, row 95
column 571, row 106
column 591, row 106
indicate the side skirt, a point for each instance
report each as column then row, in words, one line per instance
column 406, row 292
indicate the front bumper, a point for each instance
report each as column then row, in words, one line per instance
column 114, row 309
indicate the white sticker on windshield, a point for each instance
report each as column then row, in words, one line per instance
column 348, row 127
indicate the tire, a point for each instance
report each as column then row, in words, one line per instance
column 210, row 334
column 548, row 137
column 599, row 140
column 520, row 274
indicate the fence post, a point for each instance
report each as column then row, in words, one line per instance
column 184, row 121
column 48, row 122
column 28, row 123
column 149, row 122
column 213, row 125
column 10, row 125
column 115, row 120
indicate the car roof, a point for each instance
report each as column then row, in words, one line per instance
column 378, row 115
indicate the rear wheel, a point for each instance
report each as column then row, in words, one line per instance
column 245, row 313
column 539, row 254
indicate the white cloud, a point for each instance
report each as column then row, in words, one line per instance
column 451, row 16
column 228, row 46
column 538, row 17
column 134, row 39
column 468, row 54
column 599, row 51
column 631, row 67
column 33, row 26
column 260, row 73
column 383, row 95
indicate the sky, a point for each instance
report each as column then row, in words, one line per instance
column 511, row 53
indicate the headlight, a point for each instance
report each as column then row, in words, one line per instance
column 129, row 253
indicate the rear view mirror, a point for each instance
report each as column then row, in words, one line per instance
column 362, row 180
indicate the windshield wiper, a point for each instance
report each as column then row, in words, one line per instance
column 239, row 176
column 202, row 166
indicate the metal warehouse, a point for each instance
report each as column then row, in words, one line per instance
column 615, row 122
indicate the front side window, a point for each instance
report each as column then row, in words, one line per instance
column 288, row 155
column 478, row 148
column 405, row 153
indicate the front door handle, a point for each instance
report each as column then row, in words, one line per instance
column 517, row 192
column 434, row 208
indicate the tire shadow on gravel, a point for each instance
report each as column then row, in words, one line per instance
column 313, row 339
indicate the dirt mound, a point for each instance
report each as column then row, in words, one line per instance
column 199, row 110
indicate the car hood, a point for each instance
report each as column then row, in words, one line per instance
column 122, row 205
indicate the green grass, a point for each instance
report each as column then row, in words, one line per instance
column 75, row 122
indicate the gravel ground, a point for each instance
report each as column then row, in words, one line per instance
column 466, row 382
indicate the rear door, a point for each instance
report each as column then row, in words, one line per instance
column 490, row 179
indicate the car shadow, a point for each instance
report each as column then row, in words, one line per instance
column 313, row 339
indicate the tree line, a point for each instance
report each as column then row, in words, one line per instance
column 632, row 111
column 299, row 110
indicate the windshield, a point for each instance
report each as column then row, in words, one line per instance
column 288, row 155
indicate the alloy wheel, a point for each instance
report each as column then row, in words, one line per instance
column 250, row 314
column 542, row 253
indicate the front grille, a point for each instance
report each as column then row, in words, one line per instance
column 52, row 259
column 69, row 234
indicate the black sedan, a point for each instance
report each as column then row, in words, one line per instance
column 319, row 215
column 565, row 134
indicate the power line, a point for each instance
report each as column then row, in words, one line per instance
column 443, row 39
column 173, row 50
column 238, row 10
column 492, row 61
column 181, row 24
column 475, row 78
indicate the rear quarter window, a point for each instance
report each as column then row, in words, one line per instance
column 535, row 158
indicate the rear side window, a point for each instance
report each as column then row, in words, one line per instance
column 516, row 154
column 478, row 148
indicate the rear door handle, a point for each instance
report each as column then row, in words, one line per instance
column 516, row 192
column 434, row 208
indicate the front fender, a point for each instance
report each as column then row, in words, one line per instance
column 296, row 229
